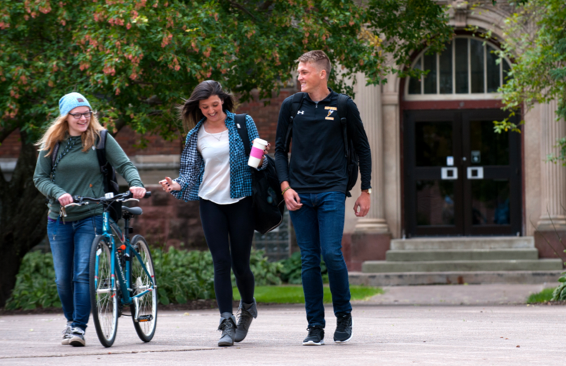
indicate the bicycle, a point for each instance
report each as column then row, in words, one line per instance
column 121, row 273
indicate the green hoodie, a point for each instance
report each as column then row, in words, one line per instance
column 78, row 173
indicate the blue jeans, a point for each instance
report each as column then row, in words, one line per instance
column 70, row 245
column 319, row 225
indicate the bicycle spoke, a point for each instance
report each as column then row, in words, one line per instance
column 104, row 297
column 141, row 282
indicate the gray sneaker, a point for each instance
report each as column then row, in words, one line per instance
column 228, row 328
column 247, row 313
column 67, row 334
column 77, row 337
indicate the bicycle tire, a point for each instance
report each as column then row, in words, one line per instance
column 103, row 299
column 139, row 282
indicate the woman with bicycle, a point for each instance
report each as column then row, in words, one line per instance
column 214, row 170
column 76, row 171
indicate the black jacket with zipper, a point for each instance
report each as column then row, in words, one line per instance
column 318, row 162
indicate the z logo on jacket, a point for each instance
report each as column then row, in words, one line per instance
column 330, row 111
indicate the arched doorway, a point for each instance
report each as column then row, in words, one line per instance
column 460, row 178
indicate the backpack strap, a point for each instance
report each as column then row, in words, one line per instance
column 295, row 107
column 101, row 155
column 54, row 153
column 242, row 128
column 342, row 102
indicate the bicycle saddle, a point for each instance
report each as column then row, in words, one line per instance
column 133, row 210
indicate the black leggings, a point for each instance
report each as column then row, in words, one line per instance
column 229, row 231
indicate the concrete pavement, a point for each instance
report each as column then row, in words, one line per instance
column 383, row 335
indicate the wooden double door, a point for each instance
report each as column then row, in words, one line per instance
column 460, row 177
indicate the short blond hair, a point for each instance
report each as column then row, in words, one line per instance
column 319, row 58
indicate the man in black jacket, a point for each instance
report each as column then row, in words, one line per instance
column 314, row 185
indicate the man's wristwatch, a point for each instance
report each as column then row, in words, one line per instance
column 367, row 190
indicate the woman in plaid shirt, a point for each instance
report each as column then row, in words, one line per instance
column 214, row 171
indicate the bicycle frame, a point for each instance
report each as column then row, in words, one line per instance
column 123, row 276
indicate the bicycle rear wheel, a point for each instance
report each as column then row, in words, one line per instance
column 140, row 281
column 103, row 298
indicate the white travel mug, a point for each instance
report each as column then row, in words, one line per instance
column 257, row 152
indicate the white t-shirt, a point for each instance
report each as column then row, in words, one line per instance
column 215, row 150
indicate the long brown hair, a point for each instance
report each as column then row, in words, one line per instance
column 190, row 112
column 59, row 129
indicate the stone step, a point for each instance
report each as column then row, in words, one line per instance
column 457, row 277
column 462, row 266
column 453, row 243
column 461, row 255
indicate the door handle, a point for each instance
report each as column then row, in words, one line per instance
column 449, row 173
column 475, row 172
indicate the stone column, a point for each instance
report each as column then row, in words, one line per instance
column 370, row 238
column 368, row 100
column 553, row 176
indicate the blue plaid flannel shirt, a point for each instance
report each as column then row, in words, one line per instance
column 192, row 163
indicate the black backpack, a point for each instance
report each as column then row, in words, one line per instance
column 108, row 172
column 268, row 201
column 349, row 150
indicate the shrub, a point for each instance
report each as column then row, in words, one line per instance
column 559, row 293
column 35, row 283
column 181, row 276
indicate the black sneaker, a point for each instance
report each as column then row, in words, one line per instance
column 315, row 337
column 343, row 331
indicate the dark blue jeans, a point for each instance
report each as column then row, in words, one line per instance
column 70, row 245
column 319, row 225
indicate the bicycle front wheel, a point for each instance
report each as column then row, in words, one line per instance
column 103, row 296
column 141, row 283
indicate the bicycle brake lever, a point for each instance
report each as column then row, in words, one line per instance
column 131, row 199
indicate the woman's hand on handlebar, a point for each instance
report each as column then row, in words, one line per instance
column 65, row 199
column 168, row 185
column 137, row 192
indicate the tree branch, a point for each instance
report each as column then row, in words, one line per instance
column 5, row 132
column 241, row 7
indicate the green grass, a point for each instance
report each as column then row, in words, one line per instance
column 543, row 296
column 294, row 294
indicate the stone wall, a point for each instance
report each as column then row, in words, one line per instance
column 167, row 221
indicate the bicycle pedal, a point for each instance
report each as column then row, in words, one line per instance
column 145, row 318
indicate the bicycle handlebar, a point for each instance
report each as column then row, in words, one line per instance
column 120, row 197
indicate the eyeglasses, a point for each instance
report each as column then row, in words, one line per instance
column 86, row 115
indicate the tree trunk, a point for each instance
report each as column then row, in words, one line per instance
column 23, row 217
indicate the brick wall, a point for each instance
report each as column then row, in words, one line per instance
column 128, row 139
column 265, row 116
column 10, row 147
column 167, row 221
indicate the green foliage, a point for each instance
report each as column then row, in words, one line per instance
column 559, row 293
column 292, row 267
column 189, row 275
column 535, row 39
column 35, row 283
column 135, row 60
column 181, row 276
column 266, row 273
column 541, row 297
column 295, row 295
